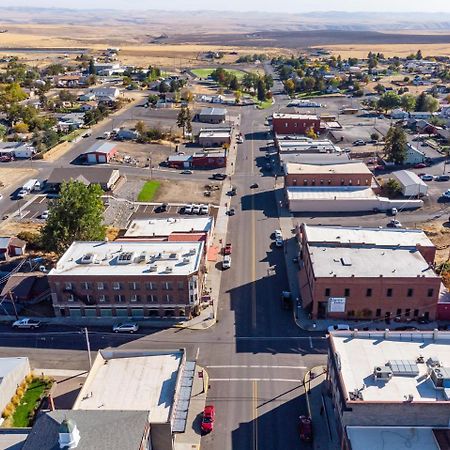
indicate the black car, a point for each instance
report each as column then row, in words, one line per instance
column 161, row 208
column 254, row 186
column 231, row 212
column 218, row 176
column 443, row 178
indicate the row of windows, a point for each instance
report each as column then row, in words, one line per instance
column 136, row 298
column 132, row 286
column 389, row 292
column 399, row 313
column 322, row 182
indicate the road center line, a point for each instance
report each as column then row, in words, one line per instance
column 310, row 342
column 270, row 380
column 256, row 367
column 255, row 414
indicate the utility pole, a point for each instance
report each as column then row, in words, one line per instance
column 88, row 345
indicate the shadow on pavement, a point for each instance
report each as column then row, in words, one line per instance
column 260, row 201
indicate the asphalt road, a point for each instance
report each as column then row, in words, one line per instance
column 255, row 355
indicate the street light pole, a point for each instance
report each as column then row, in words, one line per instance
column 88, row 345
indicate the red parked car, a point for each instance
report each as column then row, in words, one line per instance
column 420, row 166
column 305, row 428
column 227, row 249
column 209, row 414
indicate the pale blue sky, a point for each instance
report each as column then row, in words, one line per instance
column 245, row 5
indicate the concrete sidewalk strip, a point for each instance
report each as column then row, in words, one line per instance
column 61, row 372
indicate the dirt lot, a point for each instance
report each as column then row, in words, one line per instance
column 388, row 82
column 185, row 192
column 12, row 228
column 130, row 153
column 439, row 234
column 9, row 176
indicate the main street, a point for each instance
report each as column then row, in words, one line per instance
column 255, row 355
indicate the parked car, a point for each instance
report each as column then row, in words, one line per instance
column 427, row 177
column 208, row 417
column 187, row 209
column 126, row 327
column 254, row 186
column 195, row 209
column 232, row 191
column 218, row 176
column 204, row 209
column 394, row 224
column 442, row 178
column 226, row 263
column 278, row 234
column 161, row 208
column 338, row 327
column 22, row 193
column 421, row 165
column 186, row 172
column 227, row 249
column 305, row 428
column 359, row 142
column 45, row 214
column 446, row 194
column 26, row 323
column 393, row 211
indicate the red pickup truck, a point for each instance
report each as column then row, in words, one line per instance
column 227, row 249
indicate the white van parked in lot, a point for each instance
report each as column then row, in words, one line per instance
column 204, row 209
column 187, row 209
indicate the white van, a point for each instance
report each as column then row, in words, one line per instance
column 204, row 209
column 226, row 263
column 195, row 209
column 187, row 209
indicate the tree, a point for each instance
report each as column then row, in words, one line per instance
column 308, row 83
column 141, row 127
column 163, row 87
column 3, row 131
column 392, row 187
column 375, row 136
column 261, row 90
column 395, row 145
column 268, row 81
column 92, row 70
column 408, row 102
column 184, row 120
column 425, row 102
column 50, row 138
column 234, row 83
column 419, row 54
column 153, row 99
column 379, row 88
column 389, row 100
column 311, row 133
column 77, row 215
column 237, row 97
column 289, row 86
column 21, row 127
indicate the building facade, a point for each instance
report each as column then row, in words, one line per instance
column 371, row 274
column 128, row 279
column 294, row 123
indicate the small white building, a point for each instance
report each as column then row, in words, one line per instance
column 413, row 155
column 12, row 373
column 411, row 184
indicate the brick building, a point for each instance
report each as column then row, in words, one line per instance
column 385, row 385
column 138, row 279
column 294, row 123
column 367, row 273
column 352, row 174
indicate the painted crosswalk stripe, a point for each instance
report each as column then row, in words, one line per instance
column 287, row 380
column 236, row 366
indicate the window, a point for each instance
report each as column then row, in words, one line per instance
column 346, row 292
column 89, row 298
column 410, row 292
column 407, row 312
column 180, row 285
column 378, row 312
column 416, row 312
column 70, row 298
column 389, row 292
column 342, row 182
column 430, row 292
column 305, row 182
column 119, row 298
column 103, row 298
column 68, row 286
column 399, row 312
column 351, row 313
column 101, row 286
column 321, row 182
column 135, row 298
column 117, row 286
column 133, row 286
column 369, row 292
column 168, row 298
column 167, row 286
column 151, row 286
column 151, row 298
column 327, row 292
column 85, row 285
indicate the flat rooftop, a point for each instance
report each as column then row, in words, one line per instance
column 393, row 438
column 359, row 355
column 340, row 169
column 330, row 193
column 101, row 147
column 129, row 258
column 408, row 178
column 165, row 227
column 213, row 112
column 215, row 133
column 377, row 237
column 7, row 365
column 295, row 116
column 353, row 262
column 132, row 381
column 316, row 158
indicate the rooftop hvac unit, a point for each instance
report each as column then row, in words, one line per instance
column 169, row 269
column 140, row 257
column 125, row 258
column 173, row 256
column 152, row 268
column 186, row 260
column 88, row 258
column 440, row 377
column 382, row 373
column 433, row 361
column 191, row 251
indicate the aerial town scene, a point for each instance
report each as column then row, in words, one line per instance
column 224, row 226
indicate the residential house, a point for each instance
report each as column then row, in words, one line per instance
column 100, row 153
column 212, row 115
column 107, row 178
column 10, row 247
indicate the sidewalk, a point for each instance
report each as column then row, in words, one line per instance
column 190, row 439
column 208, row 316
column 320, row 409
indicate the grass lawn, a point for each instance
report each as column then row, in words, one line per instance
column 266, row 104
column 205, row 73
column 148, row 191
column 29, row 402
column 71, row 136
